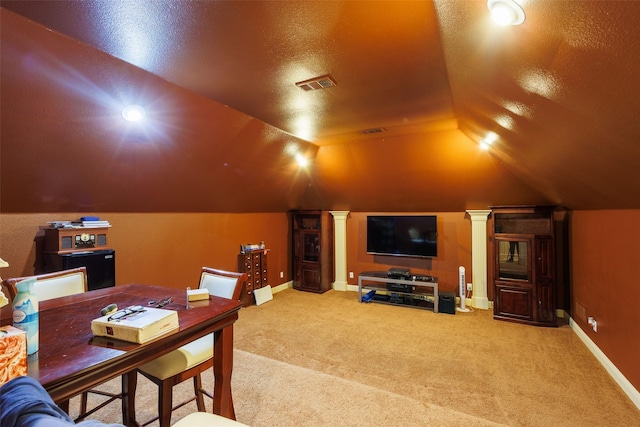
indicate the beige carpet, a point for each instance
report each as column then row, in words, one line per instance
column 327, row 360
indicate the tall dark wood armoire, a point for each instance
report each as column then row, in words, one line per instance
column 312, row 250
column 524, row 264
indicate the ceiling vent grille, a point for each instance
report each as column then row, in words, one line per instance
column 372, row 130
column 316, row 83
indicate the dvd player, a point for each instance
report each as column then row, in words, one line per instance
column 399, row 273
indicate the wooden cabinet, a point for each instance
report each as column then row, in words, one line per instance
column 312, row 250
column 254, row 263
column 524, row 264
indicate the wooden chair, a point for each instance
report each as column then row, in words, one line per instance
column 8, row 291
column 52, row 285
column 190, row 360
column 55, row 285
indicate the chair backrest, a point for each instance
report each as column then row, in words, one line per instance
column 220, row 283
column 54, row 285
column 8, row 291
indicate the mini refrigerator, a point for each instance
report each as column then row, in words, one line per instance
column 101, row 266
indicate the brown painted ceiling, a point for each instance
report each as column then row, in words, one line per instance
column 224, row 116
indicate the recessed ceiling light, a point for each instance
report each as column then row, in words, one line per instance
column 491, row 138
column 133, row 113
column 488, row 140
column 302, row 160
column 506, row 12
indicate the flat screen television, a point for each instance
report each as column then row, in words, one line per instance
column 402, row 235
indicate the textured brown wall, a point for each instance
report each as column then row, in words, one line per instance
column 169, row 249
column 454, row 250
column 605, row 271
column 161, row 249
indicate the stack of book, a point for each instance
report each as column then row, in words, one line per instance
column 92, row 222
column 84, row 222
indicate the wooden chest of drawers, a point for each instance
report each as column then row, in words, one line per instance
column 254, row 263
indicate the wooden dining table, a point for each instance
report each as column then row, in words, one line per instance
column 70, row 360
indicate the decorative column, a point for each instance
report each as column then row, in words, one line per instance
column 479, row 257
column 340, row 249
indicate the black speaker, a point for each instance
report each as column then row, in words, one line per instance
column 101, row 266
column 447, row 302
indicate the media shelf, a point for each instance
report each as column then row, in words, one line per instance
column 423, row 294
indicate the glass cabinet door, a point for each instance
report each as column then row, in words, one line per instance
column 513, row 259
column 311, row 247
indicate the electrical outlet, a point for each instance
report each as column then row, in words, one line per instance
column 282, row 274
column 351, row 275
column 592, row 322
column 469, row 286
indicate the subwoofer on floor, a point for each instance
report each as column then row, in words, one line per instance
column 447, row 302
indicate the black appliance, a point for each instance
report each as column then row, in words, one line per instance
column 399, row 273
column 447, row 302
column 101, row 266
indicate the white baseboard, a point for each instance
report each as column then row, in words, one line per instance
column 282, row 287
column 615, row 373
column 353, row 288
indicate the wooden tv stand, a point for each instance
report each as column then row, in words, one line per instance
column 424, row 294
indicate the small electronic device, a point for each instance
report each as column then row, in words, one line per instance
column 399, row 273
column 400, row 287
column 65, row 240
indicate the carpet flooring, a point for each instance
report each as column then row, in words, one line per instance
column 304, row 359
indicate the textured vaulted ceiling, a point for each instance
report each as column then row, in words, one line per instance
column 218, row 80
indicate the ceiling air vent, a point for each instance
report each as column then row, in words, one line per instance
column 316, row 83
column 372, row 130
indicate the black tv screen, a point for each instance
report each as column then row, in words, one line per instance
column 402, row 235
